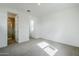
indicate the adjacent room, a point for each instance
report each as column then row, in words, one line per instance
column 39, row 29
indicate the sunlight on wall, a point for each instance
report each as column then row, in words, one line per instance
column 50, row 50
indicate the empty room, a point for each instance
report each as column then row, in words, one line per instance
column 39, row 29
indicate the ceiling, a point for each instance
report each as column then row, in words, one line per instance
column 40, row 10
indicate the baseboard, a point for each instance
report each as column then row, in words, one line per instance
column 23, row 41
column 61, row 42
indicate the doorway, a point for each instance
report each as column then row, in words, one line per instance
column 11, row 29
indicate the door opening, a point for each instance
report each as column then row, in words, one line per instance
column 11, row 29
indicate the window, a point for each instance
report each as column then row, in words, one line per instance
column 31, row 25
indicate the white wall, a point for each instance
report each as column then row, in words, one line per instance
column 3, row 28
column 35, row 20
column 22, row 23
column 61, row 26
column 23, row 28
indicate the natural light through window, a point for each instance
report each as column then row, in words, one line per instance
column 50, row 50
column 43, row 44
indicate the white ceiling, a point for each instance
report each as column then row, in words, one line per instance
column 43, row 9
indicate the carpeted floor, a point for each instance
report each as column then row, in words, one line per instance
column 31, row 48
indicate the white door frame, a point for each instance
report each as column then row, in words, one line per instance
column 16, row 27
